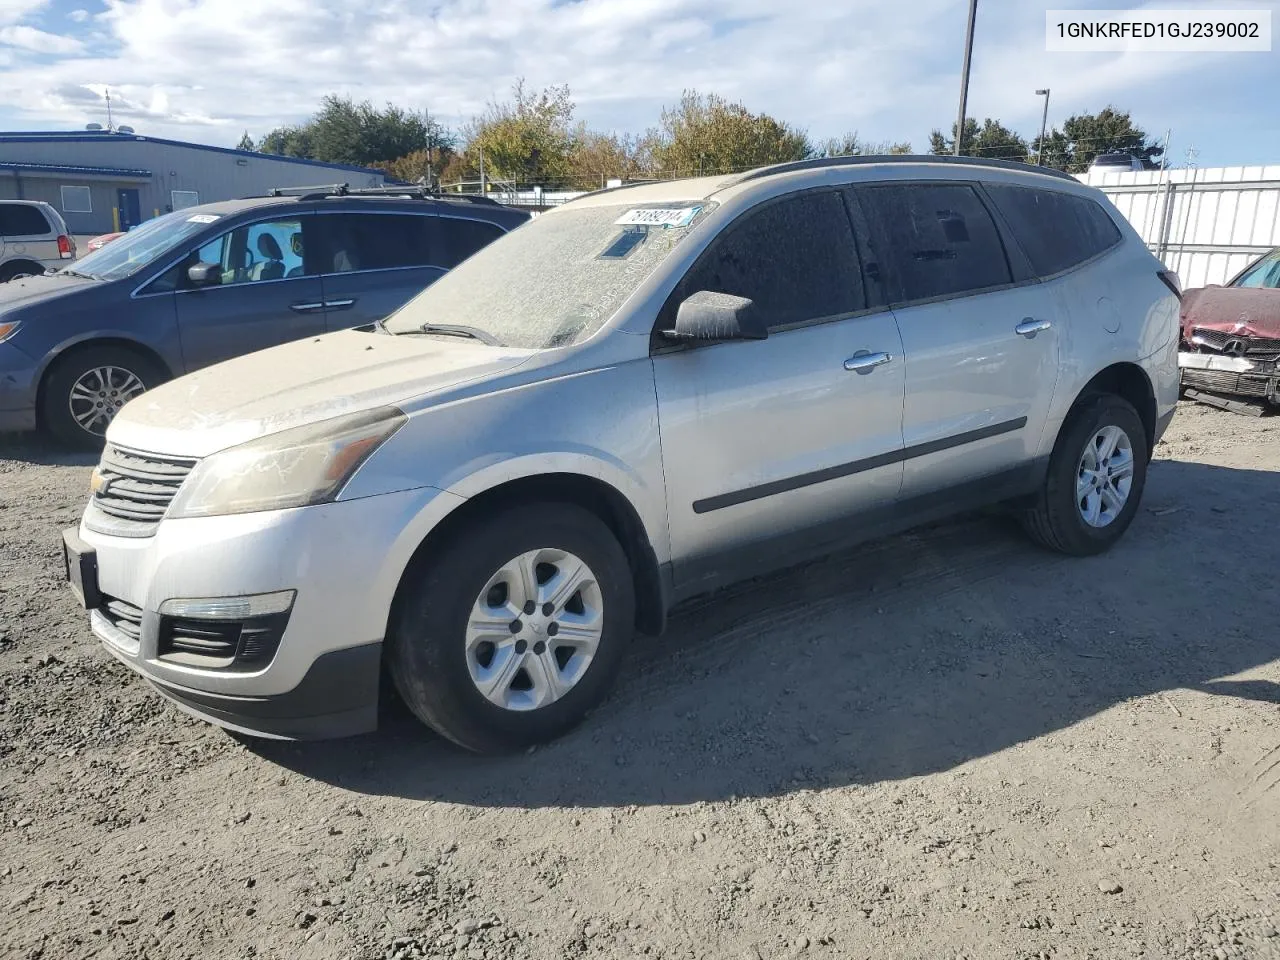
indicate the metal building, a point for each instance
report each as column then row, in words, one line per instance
column 103, row 181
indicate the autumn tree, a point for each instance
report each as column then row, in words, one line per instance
column 851, row 145
column 709, row 134
column 596, row 158
column 526, row 138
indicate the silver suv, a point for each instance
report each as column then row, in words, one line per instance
column 636, row 398
column 33, row 239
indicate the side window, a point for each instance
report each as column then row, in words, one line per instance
column 376, row 241
column 1057, row 230
column 459, row 239
column 794, row 257
column 252, row 253
column 937, row 240
column 22, row 220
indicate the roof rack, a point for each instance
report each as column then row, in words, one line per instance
column 412, row 190
column 895, row 158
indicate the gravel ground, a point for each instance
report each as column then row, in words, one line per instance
column 945, row 745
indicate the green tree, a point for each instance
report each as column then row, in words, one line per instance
column 992, row 139
column 343, row 131
column 707, row 134
column 246, row 142
column 598, row 157
column 1084, row 136
column 527, row 138
column 851, row 145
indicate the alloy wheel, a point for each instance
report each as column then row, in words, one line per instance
column 1104, row 476
column 98, row 395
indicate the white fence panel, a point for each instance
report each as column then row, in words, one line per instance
column 1208, row 224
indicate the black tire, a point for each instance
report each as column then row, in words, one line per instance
column 426, row 649
column 55, row 391
column 12, row 271
column 1055, row 521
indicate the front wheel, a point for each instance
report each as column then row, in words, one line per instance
column 516, row 629
column 1095, row 479
column 84, row 389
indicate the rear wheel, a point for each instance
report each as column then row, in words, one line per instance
column 84, row 390
column 516, row 629
column 19, row 271
column 1095, row 480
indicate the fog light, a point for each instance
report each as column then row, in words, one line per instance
column 230, row 608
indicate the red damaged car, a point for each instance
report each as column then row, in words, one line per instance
column 1231, row 334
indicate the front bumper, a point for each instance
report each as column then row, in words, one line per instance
column 17, row 390
column 344, row 560
column 1234, row 376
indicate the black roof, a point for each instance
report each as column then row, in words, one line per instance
column 899, row 158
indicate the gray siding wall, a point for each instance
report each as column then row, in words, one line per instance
column 212, row 174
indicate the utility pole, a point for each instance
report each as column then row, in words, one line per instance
column 107, row 94
column 484, row 191
column 964, row 75
column 1044, row 125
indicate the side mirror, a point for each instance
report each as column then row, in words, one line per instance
column 205, row 275
column 718, row 316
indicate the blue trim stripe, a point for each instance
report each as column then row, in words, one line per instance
column 84, row 171
column 56, row 136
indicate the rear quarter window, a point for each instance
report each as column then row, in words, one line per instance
column 22, row 220
column 460, row 237
column 1057, row 230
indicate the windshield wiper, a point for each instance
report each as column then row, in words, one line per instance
column 76, row 273
column 455, row 330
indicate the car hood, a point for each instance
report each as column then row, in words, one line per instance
column 300, row 383
column 23, row 293
column 1247, row 311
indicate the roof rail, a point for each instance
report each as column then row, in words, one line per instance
column 821, row 162
column 412, row 190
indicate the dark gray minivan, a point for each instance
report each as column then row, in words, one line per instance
column 212, row 282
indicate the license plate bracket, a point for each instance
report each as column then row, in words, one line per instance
column 81, row 563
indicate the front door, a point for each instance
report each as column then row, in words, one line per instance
column 128, row 204
column 767, row 445
column 268, row 294
column 981, row 351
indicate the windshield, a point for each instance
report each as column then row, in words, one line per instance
column 556, row 280
column 128, row 254
column 1264, row 273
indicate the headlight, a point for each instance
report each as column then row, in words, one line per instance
column 8, row 329
column 293, row 468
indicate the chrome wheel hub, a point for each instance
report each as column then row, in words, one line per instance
column 99, row 393
column 534, row 629
column 1104, row 477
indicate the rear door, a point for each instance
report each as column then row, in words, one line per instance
column 270, row 293
column 980, row 337
column 372, row 263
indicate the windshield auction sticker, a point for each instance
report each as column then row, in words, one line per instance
column 203, row 218
column 658, row 217
column 1158, row 31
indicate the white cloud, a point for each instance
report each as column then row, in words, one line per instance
column 78, row 16
column 37, row 41
column 15, row 11
column 886, row 68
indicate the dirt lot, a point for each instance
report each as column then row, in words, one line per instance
column 946, row 745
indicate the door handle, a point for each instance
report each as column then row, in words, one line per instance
column 864, row 361
column 306, row 307
column 1030, row 327
column 340, row 304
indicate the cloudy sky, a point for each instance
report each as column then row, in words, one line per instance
column 206, row 70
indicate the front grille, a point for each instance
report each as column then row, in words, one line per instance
column 1218, row 340
column 1225, row 381
column 137, row 488
column 125, row 617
